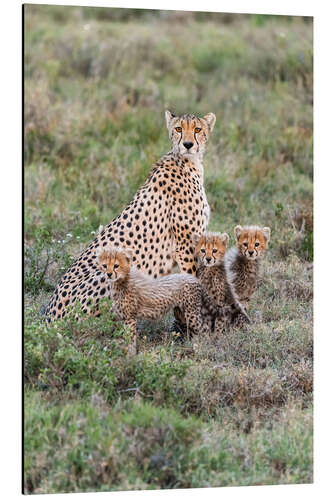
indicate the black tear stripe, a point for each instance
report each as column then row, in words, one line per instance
column 195, row 137
column 181, row 135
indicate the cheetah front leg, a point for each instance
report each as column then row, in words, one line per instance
column 183, row 255
column 185, row 260
column 183, row 251
column 186, row 263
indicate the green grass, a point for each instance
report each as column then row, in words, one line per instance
column 88, row 445
column 236, row 410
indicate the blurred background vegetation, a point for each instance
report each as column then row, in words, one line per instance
column 228, row 412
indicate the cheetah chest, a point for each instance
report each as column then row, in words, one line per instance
column 199, row 178
column 206, row 210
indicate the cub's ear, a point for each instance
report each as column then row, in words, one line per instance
column 196, row 239
column 237, row 231
column 108, row 249
column 99, row 252
column 168, row 118
column 128, row 254
column 267, row 233
column 210, row 119
column 225, row 239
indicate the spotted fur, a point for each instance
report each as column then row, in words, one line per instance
column 137, row 296
column 220, row 306
column 157, row 225
column 243, row 260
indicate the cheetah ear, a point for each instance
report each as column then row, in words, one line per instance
column 267, row 233
column 210, row 119
column 168, row 118
column 225, row 239
column 128, row 253
column 196, row 239
column 99, row 252
column 237, row 231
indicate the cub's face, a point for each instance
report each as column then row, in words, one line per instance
column 113, row 261
column 252, row 241
column 210, row 248
column 189, row 133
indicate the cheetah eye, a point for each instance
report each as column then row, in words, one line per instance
column 245, row 244
column 179, row 129
column 214, row 250
column 197, row 130
column 203, row 250
column 116, row 266
column 256, row 244
column 104, row 266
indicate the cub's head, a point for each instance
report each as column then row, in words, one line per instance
column 114, row 261
column 252, row 241
column 210, row 248
column 189, row 133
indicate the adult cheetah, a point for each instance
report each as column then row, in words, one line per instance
column 158, row 224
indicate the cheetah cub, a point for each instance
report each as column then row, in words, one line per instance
column 220, row 304
column 137, row 296
column 242, row 261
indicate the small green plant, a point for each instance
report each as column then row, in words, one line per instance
column 307, row 245
column 39, row 257
column 74, row 355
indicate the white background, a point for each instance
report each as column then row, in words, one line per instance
column 11, row 242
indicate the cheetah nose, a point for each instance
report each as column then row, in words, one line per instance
column 208, row 259
column 251, row 252
column 109, row 275
column 188, row 145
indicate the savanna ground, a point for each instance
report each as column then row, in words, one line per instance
column 207, row 412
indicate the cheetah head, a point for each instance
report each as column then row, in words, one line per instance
column 115, row 262
column 252, row 241
column 189, row 133
column 210, row 248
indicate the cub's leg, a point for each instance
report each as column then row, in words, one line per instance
column 208, row 318
column 221, row 323
column 191, row 308
column 230, row 316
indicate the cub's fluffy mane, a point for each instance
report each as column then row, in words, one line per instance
column 110, row 250
column 163, row 287
column 254, row 228
column 210, row 235
column 251, row 228
column 231, row 255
